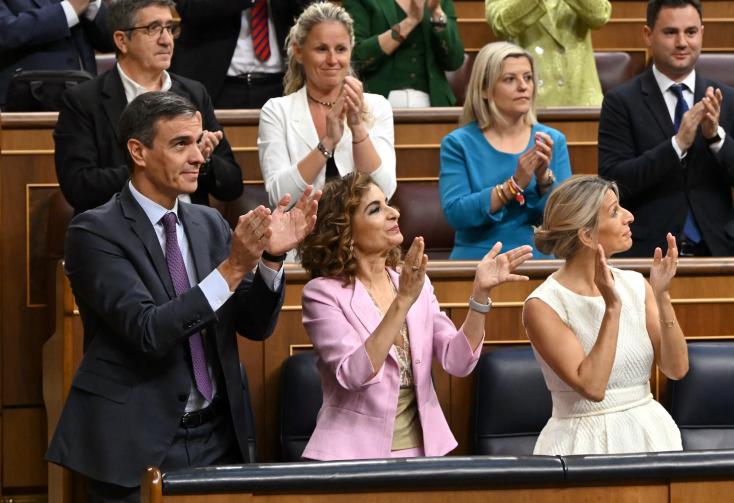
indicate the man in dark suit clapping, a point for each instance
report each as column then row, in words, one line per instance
column 91, row 162
column 162, row 286
column 665, row 138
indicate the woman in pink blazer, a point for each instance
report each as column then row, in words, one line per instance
column 377, row 327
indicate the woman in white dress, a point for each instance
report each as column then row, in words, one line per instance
column 596, row 330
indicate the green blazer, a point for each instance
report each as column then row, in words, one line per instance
column 444, row 50
column 558, row 35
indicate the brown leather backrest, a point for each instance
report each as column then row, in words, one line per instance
column 253, row 195
column 717, row 66
column 421, row 215
column 459, row 79
column 615, row 68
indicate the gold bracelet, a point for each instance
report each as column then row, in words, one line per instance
column 668, row 324
column 502, row 197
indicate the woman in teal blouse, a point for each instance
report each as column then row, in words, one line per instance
column 499, row 167
column 404, row 47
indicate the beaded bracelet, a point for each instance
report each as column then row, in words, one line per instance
column 517, row 191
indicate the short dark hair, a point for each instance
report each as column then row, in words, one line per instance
column 654, row 6
column 140, row 118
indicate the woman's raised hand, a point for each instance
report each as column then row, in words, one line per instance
column 413, row 273
column 353, row 93
column 415, row 12
column 335, row 122
column 497, row 268
column 543, row 153
column 603, row 278
column 663, row 268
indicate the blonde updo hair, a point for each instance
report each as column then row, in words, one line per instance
column 316, row 13
column 573, row 205
column 485, row 73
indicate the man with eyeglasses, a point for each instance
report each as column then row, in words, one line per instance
column 91, row 163
column 50, row 35
column 236, row 48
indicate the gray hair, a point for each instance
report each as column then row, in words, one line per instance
column 485, row 73
column 140, row 118
column 573, row 205
column 122, row 14
column 316, row 13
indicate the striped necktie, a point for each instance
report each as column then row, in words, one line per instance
column 259, row 30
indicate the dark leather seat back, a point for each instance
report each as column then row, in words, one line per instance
column 718, row 66
column 250, row 418
column 511, row 402
column 701, row 403
column 253, row 195
column 459, row 79
column 614, row 68
column 300, row 401
column 421, row 215
column 105, row 61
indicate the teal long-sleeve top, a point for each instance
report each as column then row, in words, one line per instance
column 470, row 169
column 434, row 51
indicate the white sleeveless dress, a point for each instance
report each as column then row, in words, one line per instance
column 628, row 419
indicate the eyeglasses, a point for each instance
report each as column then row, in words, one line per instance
column 155, row 29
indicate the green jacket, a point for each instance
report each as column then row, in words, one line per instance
column 558, row 35
column 444, row 50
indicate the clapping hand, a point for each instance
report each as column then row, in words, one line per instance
column 288, row 228
column 413, row 272
column 712, row 109
column 208, row 142
column 497, row 268
column 543, row 154
column 603, row 278
column 354, row 103
column 535, row 161
column 663, row 268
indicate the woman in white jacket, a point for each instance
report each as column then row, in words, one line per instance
column 325, row 125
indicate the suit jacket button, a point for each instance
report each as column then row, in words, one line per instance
column 183, row 397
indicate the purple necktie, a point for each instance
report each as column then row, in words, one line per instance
column 177, row 269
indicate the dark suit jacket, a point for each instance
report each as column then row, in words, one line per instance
column 34, row 35
column 209, row 31
column 635, row 150
column 91, row 161
column 130, row 391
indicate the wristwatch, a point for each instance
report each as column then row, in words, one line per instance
column 325, row 151
column 479, row 307
column 395, row 33
column 716, row 138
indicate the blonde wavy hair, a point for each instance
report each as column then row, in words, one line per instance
column 573, row 205
column 328, row 250
column 316, row 13
column 485, row 73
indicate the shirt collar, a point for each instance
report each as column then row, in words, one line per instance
column 153, row 210
column 133, row 89
column 664, row 82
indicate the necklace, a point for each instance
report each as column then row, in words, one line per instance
column 403, row 353
column 327, row 104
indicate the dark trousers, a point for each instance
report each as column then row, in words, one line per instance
column 249, row 91
column 211, row 443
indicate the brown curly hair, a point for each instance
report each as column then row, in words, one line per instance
column 328, row 251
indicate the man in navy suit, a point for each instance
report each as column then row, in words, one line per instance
column 159, row 383
column 665, row 138
column 50, row 35
column 91, row 162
